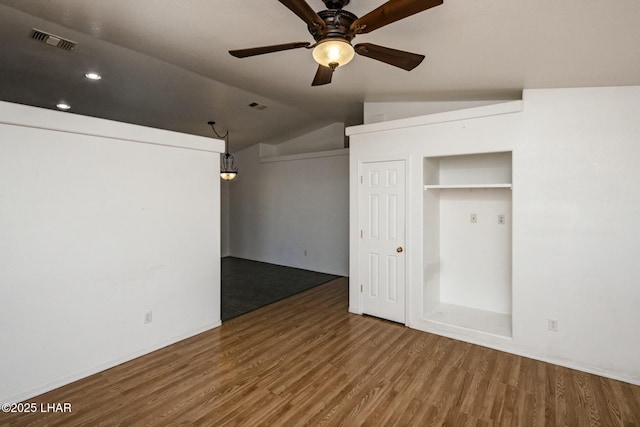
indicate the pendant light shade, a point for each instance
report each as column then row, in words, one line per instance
column 228, row 170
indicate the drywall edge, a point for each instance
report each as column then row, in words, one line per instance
column 21, row 115
column 448, row 116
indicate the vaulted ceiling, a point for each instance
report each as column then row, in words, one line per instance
column 165, row 63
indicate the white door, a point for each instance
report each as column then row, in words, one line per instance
column 382, row 236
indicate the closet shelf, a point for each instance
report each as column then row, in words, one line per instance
column 468, row 186
column 497, row 324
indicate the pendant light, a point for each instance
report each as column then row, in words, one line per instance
column 228, row 171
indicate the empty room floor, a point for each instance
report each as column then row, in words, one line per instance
column 307, row 361
column 248, row 285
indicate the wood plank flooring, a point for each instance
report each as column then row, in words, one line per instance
column 247, row 285
column 307, row 361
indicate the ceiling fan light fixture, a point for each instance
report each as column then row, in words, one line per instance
column 333, row 52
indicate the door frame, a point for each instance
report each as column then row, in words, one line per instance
column 356, row 243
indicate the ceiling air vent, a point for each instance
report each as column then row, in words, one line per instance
column 51, row 40
column 258, row 106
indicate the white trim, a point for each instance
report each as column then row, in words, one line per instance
column 41, row 118
column 465, row 186
column 448, row 116
column 496, row 342
column 353, row 310
column 302, row 156
column 409, row 249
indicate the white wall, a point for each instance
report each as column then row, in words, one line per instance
column 575, row 219
column 475, row 258
column 576, row 228
column 279, row 210
column 225, row 201
column 329, row 137
column 100, row 222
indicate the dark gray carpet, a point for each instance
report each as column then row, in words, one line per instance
column 248, row 285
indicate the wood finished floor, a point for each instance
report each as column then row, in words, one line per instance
column 306, row 360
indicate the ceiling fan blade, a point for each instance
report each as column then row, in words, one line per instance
column 398, row 58
column 243, row 53
column 323, row 76
column 304, row 12
column 391, row 11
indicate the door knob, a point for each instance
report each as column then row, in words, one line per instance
column 399, row 250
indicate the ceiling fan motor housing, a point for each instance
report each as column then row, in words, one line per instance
column 338, row 25
column 335, row 4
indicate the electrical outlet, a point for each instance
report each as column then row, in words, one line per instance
column 148, row 317
column 474, row 218
column 553, row 325
column 501, row 219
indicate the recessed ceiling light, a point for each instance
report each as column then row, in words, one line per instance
column 63, row 106
column 93, row 76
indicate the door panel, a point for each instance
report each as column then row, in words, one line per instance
column 382, row 231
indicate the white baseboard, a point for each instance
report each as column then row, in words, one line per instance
column 506, row 345
column 21, row 397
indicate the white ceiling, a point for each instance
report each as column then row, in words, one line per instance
column 165, row 62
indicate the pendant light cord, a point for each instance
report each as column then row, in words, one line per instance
column 225, row 137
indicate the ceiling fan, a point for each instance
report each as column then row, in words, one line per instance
column 334, row 28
